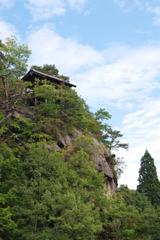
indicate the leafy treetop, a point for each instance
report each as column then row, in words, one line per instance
column 15, row 57
column 51, row 70
column 13, row 64
column 48, row 195
column 148, row 182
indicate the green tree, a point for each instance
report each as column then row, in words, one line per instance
column 119, row 221
column 51, row 70
column 148, row 182
column 110, row 139
column 13, row 66
column 45, row 197
column 102, row 115
column 64, row 106
column 9, row 165
column 145, row 221
column 15, row 57
column 110, row 136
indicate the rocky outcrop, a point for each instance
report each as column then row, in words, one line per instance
column 23, row 112
column 101, row 157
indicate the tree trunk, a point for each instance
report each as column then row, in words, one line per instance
column 6, row 95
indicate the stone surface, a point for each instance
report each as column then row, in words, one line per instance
column 61, row 142
column 25, row 112
column 101, row 157
column 69, row 140
column 110, row 186
column 57, row 148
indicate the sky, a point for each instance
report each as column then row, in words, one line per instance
column 110, row 49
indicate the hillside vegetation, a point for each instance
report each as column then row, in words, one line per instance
column 47, row 193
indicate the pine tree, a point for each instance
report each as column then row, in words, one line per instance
column 149, row 184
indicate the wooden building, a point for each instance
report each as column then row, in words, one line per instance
column 32, row 74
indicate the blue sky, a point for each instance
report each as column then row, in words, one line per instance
column 111, row 51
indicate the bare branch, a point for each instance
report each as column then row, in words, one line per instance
column 16, row 137
column 4, row 119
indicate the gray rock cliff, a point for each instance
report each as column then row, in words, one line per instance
column 101, row 157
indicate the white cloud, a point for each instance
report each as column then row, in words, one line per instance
column 121, row 3
column 147, row 116
column 156, row 12
column 6, row 3
column 43, row 9
column 138, row 3
column 142, row 130
column 127, row 77
column 69, row 56
column 77, row 4
column 140, row 31
column 6, row 30
column 149, row 6
column 130, row 175
column 139, row 140
column 120, row 76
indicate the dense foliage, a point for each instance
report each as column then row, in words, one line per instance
column 43, row 201
column 149, row 184
column 45, row 194
column 13, row 64
column 145, row 218
column 51, row 70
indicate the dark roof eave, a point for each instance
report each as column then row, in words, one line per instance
column 49, row 77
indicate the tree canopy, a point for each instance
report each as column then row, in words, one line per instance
column 148, row 182
column 110, row 136
column 13, row 64
column 15, row 57
column 50, row 192
column 51, row 70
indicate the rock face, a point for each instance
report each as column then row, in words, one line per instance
column 101, row 158
column 24, row 112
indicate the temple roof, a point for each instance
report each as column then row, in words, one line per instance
column 32, row 74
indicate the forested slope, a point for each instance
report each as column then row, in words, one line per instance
column 50, row 188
